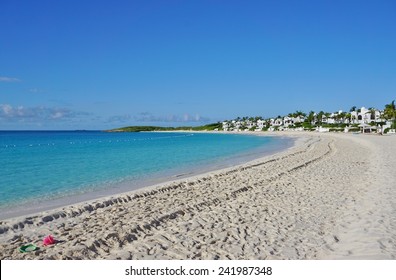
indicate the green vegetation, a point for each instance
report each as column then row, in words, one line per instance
column 336, row 129
column 140, row 129
column 354, row 129
column 335, row 125
column 390, row 113
column 308, row 125
column 208, row 127
column 340, row 121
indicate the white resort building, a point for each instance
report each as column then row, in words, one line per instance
column 366, row 119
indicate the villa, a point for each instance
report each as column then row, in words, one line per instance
column 367, row 120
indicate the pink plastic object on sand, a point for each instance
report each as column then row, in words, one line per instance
column 48, row 240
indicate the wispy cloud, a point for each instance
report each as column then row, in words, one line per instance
column 149, row 117
column 120, row 119
column 35, row 90
column 10, row 113
column 9, row 79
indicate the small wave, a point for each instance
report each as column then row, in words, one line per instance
column 107, row 142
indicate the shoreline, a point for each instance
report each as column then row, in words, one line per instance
column 30, row 208
column 328, row 197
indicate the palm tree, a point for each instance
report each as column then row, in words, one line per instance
column 353, row 109
column 390, row 112
column 341, row 117
column 320, row 116
column 311, row 117
column 372, row 113
column 300, row 113
column 349, row 117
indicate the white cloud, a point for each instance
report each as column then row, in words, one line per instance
column 148, row 117
column 9, row 80
column 119, row 119
column 7, row 109
column 11, row 114
column 35, row 90
column 57, row 115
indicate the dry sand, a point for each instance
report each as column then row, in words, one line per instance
column 332, row 196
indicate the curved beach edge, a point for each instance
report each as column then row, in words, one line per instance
column 328, row 197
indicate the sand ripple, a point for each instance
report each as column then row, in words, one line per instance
column 331, row 196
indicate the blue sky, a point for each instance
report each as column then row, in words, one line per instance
column 104, row 64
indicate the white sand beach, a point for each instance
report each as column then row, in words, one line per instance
column 332, row 196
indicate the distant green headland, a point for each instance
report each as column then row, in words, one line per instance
column 208, row 127
column 355, row 120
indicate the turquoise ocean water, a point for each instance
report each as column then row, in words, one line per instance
column 38, row 166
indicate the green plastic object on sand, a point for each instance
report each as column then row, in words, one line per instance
column 27, row 248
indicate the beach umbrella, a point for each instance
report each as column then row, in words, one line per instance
column 364, row 126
